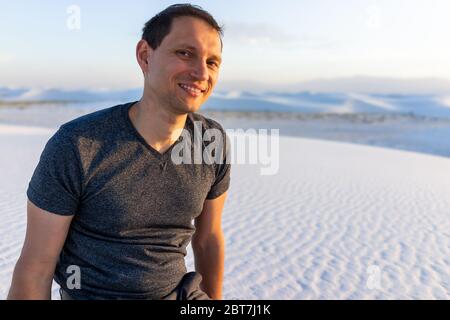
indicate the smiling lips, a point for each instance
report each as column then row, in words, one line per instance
column 192, row 90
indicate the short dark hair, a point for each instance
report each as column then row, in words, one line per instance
column 158, row 27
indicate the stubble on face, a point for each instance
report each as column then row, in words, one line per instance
column 189, row 56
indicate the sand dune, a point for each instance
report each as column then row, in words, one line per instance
column 339, row 221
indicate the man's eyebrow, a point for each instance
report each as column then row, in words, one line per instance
column 187, row 46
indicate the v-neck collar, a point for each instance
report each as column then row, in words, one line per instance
column 160, row 156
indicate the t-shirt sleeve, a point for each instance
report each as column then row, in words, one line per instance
column 55, row 185
column 223, row 170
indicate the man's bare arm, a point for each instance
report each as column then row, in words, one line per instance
column 208, row 245
column 45, row 237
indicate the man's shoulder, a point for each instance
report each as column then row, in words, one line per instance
column 97, row 121
column 88, row 132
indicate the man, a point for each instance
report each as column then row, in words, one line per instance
column 109, row 212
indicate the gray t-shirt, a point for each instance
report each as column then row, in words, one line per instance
column 133, row 207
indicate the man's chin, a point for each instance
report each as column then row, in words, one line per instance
column 185, row 109
column 190, row 107
column 194, row 109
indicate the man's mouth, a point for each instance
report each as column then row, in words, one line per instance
column 193, row 91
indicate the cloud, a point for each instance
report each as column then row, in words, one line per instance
column 256, row 33
column 267, row 34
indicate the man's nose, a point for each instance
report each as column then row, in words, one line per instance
column 200, row 71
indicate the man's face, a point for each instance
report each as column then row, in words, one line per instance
column 184, row 69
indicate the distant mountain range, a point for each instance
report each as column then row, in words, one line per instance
column 307, row 102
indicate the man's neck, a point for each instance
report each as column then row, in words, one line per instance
column 158, row 126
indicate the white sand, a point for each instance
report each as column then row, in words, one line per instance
column 339, row 221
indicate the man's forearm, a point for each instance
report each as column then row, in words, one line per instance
column 209, row 262
column 29, row 285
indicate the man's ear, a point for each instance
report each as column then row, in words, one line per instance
column 143, row 50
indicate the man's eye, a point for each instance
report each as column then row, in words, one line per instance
column 184, row 53
column 214, row 64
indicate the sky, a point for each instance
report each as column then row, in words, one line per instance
column 266, row 43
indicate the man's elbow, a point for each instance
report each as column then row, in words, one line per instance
column 31, row 280
column 212, row 241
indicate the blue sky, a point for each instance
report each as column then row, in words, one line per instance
column 266, row 42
